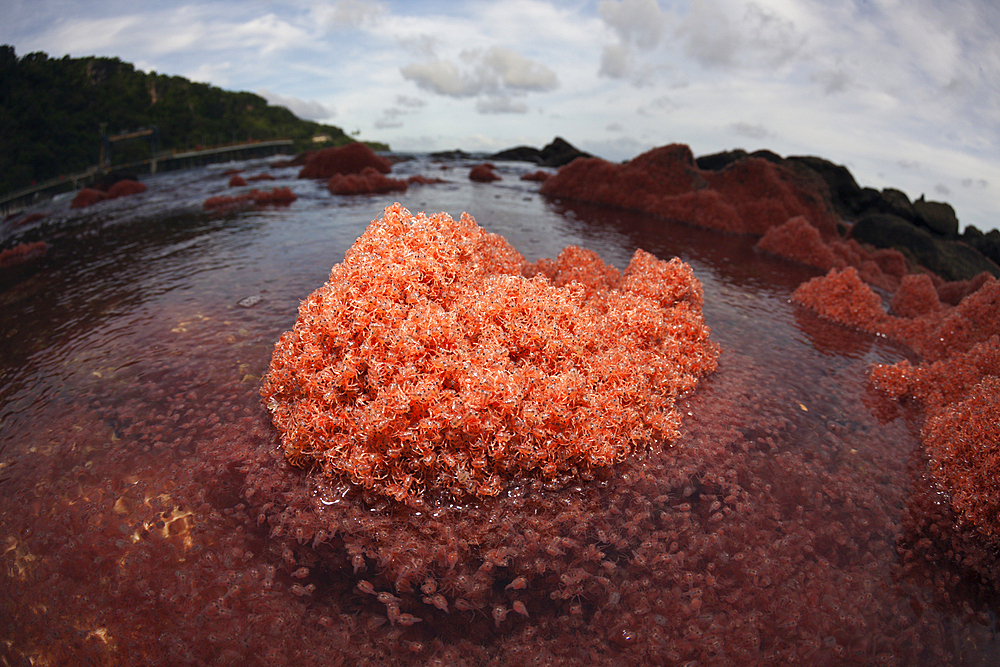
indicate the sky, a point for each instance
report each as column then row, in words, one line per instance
column 905, row 93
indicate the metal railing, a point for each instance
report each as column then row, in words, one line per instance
column 163, row 161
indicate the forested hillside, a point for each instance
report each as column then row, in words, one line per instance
column 52, row 111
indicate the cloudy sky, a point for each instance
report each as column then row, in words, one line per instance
column 906, row 93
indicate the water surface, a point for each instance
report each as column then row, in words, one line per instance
column 773, row 533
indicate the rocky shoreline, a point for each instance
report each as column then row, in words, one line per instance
column 893, row 268
column 147, row 499
column 557, row 153
column 927, row 232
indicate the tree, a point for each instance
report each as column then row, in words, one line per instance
column 52, row 111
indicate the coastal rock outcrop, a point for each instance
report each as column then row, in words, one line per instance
column 350, row 159
column 797, row 240
column 125, row 188
column 988, row 244
column 556, row 154
column 369, row 181
column 483, row 173
column 275, row 196
column 847, row 197
column 762, row 193
column 21, row 253
column 952, row 260
column 938, row 217
column 748, row 195
column 456, row 154
column 119, row 188
column 87, row 197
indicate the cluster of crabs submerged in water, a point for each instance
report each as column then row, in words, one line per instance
column 476, row 403
column 478, row 460
column 496, row 440
column 436, row 359
column 482, row 436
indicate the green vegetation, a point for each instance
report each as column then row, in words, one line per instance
column 52, row 112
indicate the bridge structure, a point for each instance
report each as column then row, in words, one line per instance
column 161, row 161
column 108, row 142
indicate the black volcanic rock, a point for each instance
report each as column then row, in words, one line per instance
column 885, row 230
column 556, row 154
column 895, row 202
column 770, row 156
column 868, row 201
column 846, row 195
column 456, row 154
column 952, row 260
column 926, row 232
column 960, row 261
column 519, row 154
column 987, row 244
column 719, row 161
column 847, row 198
column 560, row 152
column 938, row 217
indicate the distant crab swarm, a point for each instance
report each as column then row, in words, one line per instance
column 437, row 359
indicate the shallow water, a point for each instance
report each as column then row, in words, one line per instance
column 131, row 430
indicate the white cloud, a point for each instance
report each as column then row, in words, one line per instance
column 213, row 73
column 411, row 102
column 711, row 38
column 517, row 72
column 425, row 46
column 833, row 81
column 493, row 72
column 639, row 25
column 730, row 33
column 347, row 14
column 616, row 61
column 392, row 116
column 306, row 109
column 186, row 31
column 84, row 35
column 636, row 22
column 444, row 78
column 501, row 104
column 774, row 37
column 750, row 131
column 267, row 33
column 658, row 105
column 387, row 122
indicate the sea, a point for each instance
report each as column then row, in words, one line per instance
column 780, row 529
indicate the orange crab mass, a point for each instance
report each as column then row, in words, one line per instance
column 436, row 358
